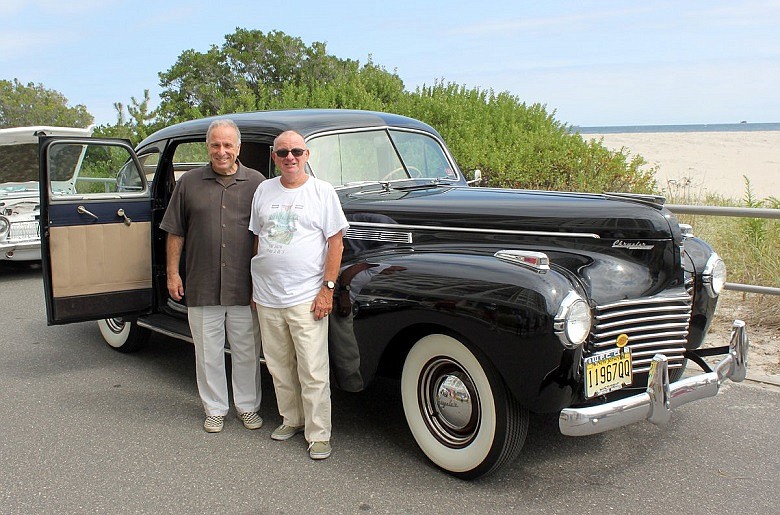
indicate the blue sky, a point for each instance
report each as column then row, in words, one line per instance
column 593, row 62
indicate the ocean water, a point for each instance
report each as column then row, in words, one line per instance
column 713, row 127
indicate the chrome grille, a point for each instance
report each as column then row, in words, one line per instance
column 359, row 233
column 654, row 325
column 23, row 231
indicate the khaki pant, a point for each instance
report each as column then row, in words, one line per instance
column 295, row 346
column 209, row 326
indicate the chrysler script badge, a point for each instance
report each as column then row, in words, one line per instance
column 633, row 245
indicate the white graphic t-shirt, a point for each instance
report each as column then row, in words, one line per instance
column 293, row 226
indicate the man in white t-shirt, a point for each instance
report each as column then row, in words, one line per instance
column 298, row 225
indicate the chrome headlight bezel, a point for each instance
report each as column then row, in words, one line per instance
column 714, row 275
column 573, row 321
column 5, row 225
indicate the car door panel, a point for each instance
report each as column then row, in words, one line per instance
column 96, row 231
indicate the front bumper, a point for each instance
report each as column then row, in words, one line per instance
column 21, row 251
column 656, row 404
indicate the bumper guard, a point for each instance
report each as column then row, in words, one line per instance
column 661, row 397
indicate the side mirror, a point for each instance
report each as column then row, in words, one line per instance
column 477, row 178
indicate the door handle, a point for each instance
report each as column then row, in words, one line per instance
column 121, row 214
column 84, row 211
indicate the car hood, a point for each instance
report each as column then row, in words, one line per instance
column 612, row 217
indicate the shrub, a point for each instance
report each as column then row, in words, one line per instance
column 520, row 146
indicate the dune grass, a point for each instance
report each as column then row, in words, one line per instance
column 749, row 246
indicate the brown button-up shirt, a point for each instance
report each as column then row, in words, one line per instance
column 214, row 220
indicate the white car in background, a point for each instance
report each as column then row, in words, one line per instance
column 20, row 238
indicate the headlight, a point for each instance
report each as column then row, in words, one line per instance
column 573, row 321
column 4, row 224
column 714, row 275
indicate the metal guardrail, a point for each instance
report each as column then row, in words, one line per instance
column 108, row 182
column 744, row 212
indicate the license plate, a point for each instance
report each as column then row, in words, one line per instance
column 607, row 371
column 24, row 231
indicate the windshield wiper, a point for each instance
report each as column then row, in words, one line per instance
column 419, row 185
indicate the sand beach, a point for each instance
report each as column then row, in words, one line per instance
column 697, row 163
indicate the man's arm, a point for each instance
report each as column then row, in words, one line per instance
column 255, row 248
column 173, row 248
column 323, row 302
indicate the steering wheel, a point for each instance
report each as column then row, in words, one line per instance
column 414, row 173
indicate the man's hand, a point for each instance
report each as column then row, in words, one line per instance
column 175, row 286
column 323, row 303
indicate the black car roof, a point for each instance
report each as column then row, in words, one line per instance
column 307, row 122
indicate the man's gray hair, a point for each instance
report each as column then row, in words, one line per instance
column 223, row 122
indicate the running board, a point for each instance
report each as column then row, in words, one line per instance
column 168, row 326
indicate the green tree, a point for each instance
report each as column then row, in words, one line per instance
column 135, row 121
column 520, row 146
column 514, row 144
column 254, row 71
column 31, row 104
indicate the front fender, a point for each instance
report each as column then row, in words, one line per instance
column 505, row 310
column 695, row 256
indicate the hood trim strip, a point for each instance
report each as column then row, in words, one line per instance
column 404, row 227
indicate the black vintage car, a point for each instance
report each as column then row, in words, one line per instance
column 487, row 303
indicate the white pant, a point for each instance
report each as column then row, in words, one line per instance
column 209, row 326
column 295, row 346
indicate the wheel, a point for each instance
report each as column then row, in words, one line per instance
column 458, row 408
column 123, row 335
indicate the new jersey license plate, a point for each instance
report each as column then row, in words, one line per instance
column 607, row 371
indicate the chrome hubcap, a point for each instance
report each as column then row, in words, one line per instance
column 449, row 402
column 116, row 325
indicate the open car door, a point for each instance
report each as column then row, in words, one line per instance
column 95, row 230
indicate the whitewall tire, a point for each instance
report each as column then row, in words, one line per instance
column 458, row 408
column 123, row 335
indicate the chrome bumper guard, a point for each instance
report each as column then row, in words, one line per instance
column 661, row 397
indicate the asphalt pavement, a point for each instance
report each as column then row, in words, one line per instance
column 89, row 430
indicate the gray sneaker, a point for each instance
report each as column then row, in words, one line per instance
column 319, row 450
column 250, row 419
column 285, row 432
column 214, row 423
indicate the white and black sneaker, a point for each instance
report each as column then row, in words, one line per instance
column 250, row 419
column 214, row 423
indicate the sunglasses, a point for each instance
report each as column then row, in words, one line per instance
column 297, row 152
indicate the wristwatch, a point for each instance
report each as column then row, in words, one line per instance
column 329, row 284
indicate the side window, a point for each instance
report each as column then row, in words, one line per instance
column 149, row 162
column 193, row 154
column 187, row 156
column 93, row 170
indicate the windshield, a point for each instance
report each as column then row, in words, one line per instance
column 378, row 155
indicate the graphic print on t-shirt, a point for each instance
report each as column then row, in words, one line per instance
column 283, row 225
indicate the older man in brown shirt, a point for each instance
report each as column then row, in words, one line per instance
column 208, row 218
